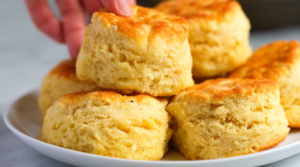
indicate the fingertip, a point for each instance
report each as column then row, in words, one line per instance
column 73, row 52
column 119, row 7
column 73, row 49
column 74, row 57
column 123, row 8
column 132, row 2
column 74, row 44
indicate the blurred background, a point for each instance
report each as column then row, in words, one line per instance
column 26, row 55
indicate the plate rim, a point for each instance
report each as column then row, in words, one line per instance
column 22, row 136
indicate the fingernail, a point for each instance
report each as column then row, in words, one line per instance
column 123, row 8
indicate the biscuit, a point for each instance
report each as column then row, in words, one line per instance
column 218, row 36
column 147, row 53
column 61, row 80
column 227, row 117
column 279, row 61
column 109, row 124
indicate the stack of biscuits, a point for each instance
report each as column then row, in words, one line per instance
column 113, row 100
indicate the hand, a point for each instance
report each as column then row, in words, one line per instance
column 70, row 29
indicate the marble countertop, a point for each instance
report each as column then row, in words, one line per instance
column 26, row 56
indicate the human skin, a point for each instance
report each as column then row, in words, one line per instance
column 70, row 28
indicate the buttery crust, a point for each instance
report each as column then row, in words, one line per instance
column 109, row 124
column 78, row 97
column 206, row 10
column 147, row 53
column 145, row 23
column 279, row 61
column 218, row 36
column 223, row 88
column 65, row 68
column 227, row 117
column 270, row 61
column 61, row 80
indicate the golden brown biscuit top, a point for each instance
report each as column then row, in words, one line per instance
column 223, row 88
column 110, row 97
column 200, row 9
column 144, row 23
column 65, row 68
column 270, row 61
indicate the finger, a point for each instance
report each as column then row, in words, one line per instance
column 44, row 19
column 92, row 6
column 73, row 24
column 119, row 7
column 132, row 2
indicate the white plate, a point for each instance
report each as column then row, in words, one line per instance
column 23, row 119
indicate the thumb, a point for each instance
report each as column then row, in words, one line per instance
column 118, row 7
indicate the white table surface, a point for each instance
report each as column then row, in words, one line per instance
column 26, row 56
